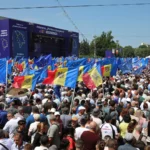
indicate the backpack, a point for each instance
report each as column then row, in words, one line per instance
column 113, row 131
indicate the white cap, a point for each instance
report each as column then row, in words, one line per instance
column 53, row 110
column 57, row 113
column 36, row 117
column 46, row 94
column 128, row 136
column 83, row 96
column 66, row 99
column 81, row 108
column 129, row 100
column 87, row 99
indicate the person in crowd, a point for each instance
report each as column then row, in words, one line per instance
column 65, row 117
column 111, row 145
column 11, row 125
column 124, row 125
column 41, row 130
column 78, row 133
column 108, row 129
column 27, row 108
column 90, row 143
column 20, row 113
column 14, row 103
column 131, row 112
column 69, row 135
column 74, row 122
column 3, row 116
column 33, row 126
column 30, row 119
column 44, row 143
column 28, row 147
column 128, row 145
column 139, row 114
column 5, row 143
column 131, row 126
column 124, row 111
column 22, row 130
column 76, row 105
column 19, row 144
column 80, row 112
column 59, row 121
column 95, row 116
column 53, row 132
column 51, row 112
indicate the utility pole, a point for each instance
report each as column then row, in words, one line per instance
column 94, row 48
column 117, row 41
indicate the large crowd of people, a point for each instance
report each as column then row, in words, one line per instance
column 113, row 116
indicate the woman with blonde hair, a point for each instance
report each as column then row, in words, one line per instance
column 41, row 130
column 139, row 114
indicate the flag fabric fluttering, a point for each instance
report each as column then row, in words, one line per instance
column 93, row 78
column 80, row 73
column 62, row 76
column 106, row 70
column 28, row 82
column 76, row 63
column 57, row 91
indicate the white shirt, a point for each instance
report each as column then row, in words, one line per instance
column 107, row 130
column 36, row 96
column 11, row 126
column 15, row 147
column 32, row 129
column 141, row 106
column 41, row 148
column 7, row 142
column 44, row 101
column 79, row 131
column 123, row 100
column 97, row 120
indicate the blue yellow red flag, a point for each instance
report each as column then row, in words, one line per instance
column 62, row 76
column 93, row 77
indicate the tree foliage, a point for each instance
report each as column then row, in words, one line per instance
column 142, row 52
column 84, row 48
column 105, row 41
column 101, row 43
column 128, row 51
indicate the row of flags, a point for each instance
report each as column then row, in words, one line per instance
column 67, row 71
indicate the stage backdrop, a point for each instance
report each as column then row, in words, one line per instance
column 4, row 39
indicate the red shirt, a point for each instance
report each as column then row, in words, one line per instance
column 72, row 143
column 90, row 140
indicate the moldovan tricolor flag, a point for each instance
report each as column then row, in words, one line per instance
column 93, row 77
column 62, row 76
column 81, row 68
column 27, row 82
column 106, row 70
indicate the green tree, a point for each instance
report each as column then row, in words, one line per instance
column 142, row 46
column 142, row 52
column 102, row 43
column 84, row 48
column 128, row 51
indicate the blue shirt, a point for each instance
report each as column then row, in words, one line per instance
column 30, row 119
column 15, row 147
column 3, row 117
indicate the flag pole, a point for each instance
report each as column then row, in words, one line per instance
column 6, row 77
column 72, row 101
column 103, row 88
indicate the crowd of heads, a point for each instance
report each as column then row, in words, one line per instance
column 115, row 115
